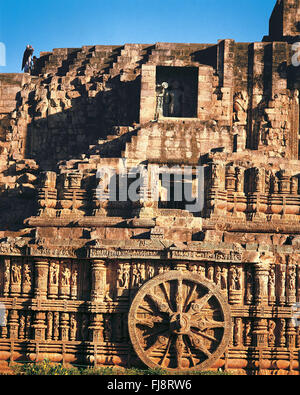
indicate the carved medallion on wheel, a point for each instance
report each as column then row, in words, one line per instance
column 179, row 321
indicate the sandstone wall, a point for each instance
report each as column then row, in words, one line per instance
column 71, row 264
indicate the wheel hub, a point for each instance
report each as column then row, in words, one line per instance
column 180, row 324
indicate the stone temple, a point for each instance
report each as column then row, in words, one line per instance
column 89, row 275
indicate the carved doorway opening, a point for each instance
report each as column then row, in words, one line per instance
column 177, row 89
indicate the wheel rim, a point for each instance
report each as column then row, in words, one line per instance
column 179, row 321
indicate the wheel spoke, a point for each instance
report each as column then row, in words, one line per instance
column 179, row 346
column 163, row 287
column 205, row 324
column 198, row 304
column 162, row 306
column 166, row 352
column 145, row 309
column 160, row 331
column 190, row 353
column 150, row 322
column 190, row 296
column 157, row 343
column 198, row 343
column 206, row 335
column 179, row 297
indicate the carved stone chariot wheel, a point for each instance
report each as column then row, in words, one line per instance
column 179, row 321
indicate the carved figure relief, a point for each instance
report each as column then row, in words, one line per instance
column 218, row 276
column 22, row 322
column 65, row 277
column 282, row 283
column 240, row 107
column 210, row 273
column 27, row 275
column 151, row 272
column 271, row 286
column 271, row 330
column 235, row 279
column 56, row 326
column 138, row 275
column 248, row 333
column 54, row 273
column 107, row 328
column 16, row 276
column 124, row 276
column 73, row 327
column 249, row 287
column 237, row 332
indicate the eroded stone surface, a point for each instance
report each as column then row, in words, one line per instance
column 72, row 266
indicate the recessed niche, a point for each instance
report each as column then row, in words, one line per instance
column 176, row 92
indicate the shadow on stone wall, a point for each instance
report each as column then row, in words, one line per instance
column 68, row 133
column 207, row 56
column 63, row 135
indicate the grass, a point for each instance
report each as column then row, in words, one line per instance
column 46, row 368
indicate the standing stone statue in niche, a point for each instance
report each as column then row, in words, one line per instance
column 66, row 275
column 161, row 100
column 16, row 274
column 176, row 100
column 240, row 107
column 54, row 272
column 27, row 274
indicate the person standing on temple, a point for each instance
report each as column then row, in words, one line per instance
column 33, row 64
column 27, row 58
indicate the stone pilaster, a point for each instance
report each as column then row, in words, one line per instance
column 13, row 324
column 64, row 326
column 260, row 333
column 96, row 328
column 41, row 278
column 6, row 285
column 98, row 287
column 148, row 93
column 262, row 270
column 39, row 325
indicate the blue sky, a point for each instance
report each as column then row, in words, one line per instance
column 52, row 24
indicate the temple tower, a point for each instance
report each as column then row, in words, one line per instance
column 285, row 21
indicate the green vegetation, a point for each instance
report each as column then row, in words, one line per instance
column 47, row 368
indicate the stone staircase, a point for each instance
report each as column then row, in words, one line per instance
column 128, row 64
column 175, row 142
column 113, row 146
column 93, row 60
column 57, row 61
column 11, row 86
column 106, row 60
column 105, row 151
column 67, row 76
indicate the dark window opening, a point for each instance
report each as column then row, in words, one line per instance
column 177, row 92
column 176, row 193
